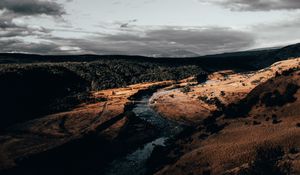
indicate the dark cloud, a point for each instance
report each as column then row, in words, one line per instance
column 178, row 40
column 32, row 7
column 257, row 5
column 169, row 41
column 6, row 21
column 9, row 29
column 23, row 32
column 19, row 46
column 125, row 25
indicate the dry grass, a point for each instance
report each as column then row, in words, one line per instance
column 226, row 86
column 42, row 134
column 234, row 148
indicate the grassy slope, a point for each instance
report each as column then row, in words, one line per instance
column 268, row 121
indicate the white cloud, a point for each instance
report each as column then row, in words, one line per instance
column 70, row 48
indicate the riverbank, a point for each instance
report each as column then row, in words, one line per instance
column 252, row 128
column 106, row 117
column 222, row 89
column 119, row 123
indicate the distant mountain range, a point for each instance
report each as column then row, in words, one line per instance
column 254, row 59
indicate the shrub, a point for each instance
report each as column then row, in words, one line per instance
column 186, row 89
column 276, row 99
column 275, row 119
column 201, row 77
column 222, row 93
column 256, row 123
column 266, row 162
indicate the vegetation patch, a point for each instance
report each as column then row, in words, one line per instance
column 278, row 99
column 267, row 162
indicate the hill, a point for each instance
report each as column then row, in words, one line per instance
column 246, row 124
column 232, row 113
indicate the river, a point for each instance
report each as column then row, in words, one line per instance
column 92, row 155
column 134, row 163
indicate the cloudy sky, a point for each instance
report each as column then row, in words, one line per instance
column 146, row 27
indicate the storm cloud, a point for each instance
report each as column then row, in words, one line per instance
column 19, row 46
column 257, row 5
column 13, row 10
column 32, row 7
column 182, row 41
column 167, row 41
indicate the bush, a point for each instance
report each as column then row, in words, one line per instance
column 186, row 89
column 276, row 99
column 201, row 77
column 266, row 162
column 223, row 93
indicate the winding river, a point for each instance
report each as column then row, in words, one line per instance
column 87, row 155
column 135, row 162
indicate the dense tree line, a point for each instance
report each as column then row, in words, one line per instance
column 32, row 90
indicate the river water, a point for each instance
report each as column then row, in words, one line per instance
column 135, row 162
